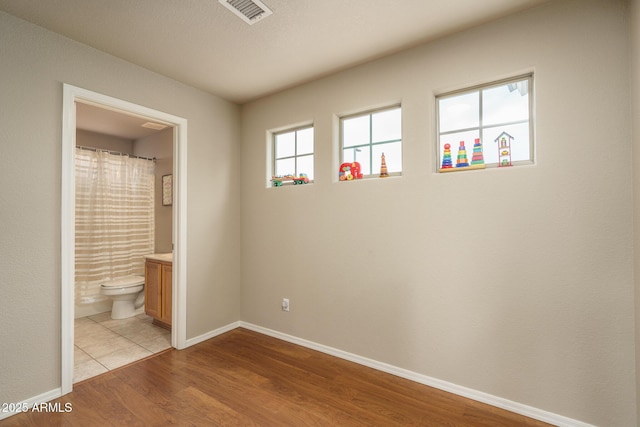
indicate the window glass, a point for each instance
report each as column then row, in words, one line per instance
column 305, row 166
column 519, row 146
column 286, row 167
column 285, row 144
column 393, row 156
column 386, row 126
column 293, row 156
column 355, row 131
column 506, row 103
column 491, row 125
column 459, row 112
column 367, row 136
column 305, row 141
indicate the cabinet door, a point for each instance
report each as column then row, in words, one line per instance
column 166, row 293
column 152, row 288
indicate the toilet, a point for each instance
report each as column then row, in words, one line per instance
column 127, row 295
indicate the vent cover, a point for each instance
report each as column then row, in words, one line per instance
column 251, row 11
column 155, row 126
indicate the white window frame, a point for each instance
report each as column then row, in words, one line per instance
column 371, row 144
column 294, row 130
column 481, row 128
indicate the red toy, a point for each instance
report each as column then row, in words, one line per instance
column 350, row 171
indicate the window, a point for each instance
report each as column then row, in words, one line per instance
column 490, row 125
column 365, row 137
column 293, row 153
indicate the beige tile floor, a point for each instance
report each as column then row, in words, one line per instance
column 102, row 344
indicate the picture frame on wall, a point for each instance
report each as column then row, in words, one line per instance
column 167, row 190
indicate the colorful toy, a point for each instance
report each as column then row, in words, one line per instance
column 504, row 149
column 446, row 157
column 349, row 171
column 277, row 181
column 462, row 156
column 478, row 158
column 477, row 161
column 383, row 167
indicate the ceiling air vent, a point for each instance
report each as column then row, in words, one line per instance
column 155, row 126
column 251, row 11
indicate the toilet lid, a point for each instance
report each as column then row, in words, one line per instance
column 124, row 282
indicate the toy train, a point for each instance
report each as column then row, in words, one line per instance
column 277, row 181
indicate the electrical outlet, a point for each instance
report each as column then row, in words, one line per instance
column 285, row 304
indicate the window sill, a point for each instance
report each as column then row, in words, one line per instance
column 464, row 168
column 297, row 183
column 371, row 177
column 516, row 163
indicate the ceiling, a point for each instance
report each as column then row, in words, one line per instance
column 203, row 44
column 110, row 122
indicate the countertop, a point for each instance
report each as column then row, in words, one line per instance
column 161, row 257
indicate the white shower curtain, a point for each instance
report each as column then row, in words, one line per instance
column 114, row 219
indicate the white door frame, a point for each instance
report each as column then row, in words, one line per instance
column 71, row 95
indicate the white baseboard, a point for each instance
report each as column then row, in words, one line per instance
column 518, row 408
column 41, row 398
column 193, row 341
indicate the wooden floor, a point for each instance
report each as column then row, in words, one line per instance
column 243, row 378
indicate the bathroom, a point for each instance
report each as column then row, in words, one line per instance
column 103, row 343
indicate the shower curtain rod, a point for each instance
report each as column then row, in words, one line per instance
column 117, row 153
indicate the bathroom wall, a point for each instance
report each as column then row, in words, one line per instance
column 86, row 138
column 514, row 282
column 159, row 146
column 35, row 64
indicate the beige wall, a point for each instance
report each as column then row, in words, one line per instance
column 634, row 49
column 35, row 64
column 514, row 282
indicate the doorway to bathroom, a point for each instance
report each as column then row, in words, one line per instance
column 93, row 117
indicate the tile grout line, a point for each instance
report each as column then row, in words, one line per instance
column 139, row 322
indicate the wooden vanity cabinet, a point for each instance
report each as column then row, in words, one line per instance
column 157, row 291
